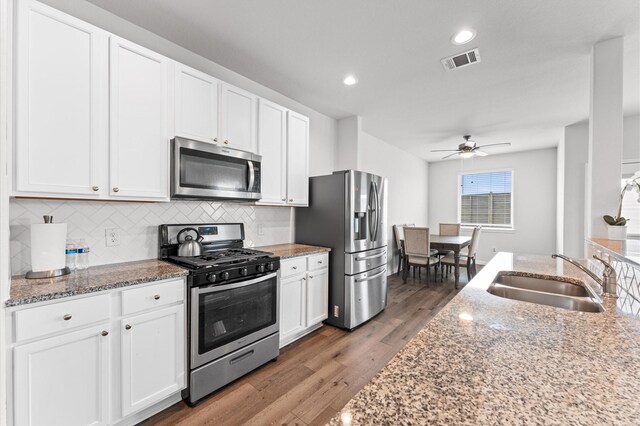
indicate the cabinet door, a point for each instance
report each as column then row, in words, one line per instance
column 297, row 159
column 63, row 380
column 317, row 296
column 60, row 103
column 272, row 144
column 196, row 104
column 139, row 142
column 153, row 365
column 238, row 118
column 292, row 307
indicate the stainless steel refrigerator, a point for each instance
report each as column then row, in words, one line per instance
column 348, row 213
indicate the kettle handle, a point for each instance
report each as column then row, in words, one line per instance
column 198, row 236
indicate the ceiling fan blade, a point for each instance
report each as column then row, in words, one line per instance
column 444, row 150
column 480, row 153
column 450, row 155
column 495, row 144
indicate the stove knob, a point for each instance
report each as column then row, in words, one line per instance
column 224, row 275
column 243, row 271
column 260, row 268
column 212, row 278
column 270, row 266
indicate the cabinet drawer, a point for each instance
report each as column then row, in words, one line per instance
column 43, row 320
column 153, row 296
column 318, row 261
column 293, row 266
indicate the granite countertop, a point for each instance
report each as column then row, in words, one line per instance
column 487, row 360
column 94, row 279
column 285, row 251
column 626, row 250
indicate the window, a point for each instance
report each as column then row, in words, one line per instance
column 485, row 199
column 631, row 210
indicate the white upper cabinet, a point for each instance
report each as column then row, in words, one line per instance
column 297, row 159
column 139, row 140
column 272, row 145
column 196, row 104
column 238, row 118
column 60, row 103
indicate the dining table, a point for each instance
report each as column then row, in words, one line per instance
column 448, row 243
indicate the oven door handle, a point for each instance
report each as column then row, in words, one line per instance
column 213, row 289
column 252, row 176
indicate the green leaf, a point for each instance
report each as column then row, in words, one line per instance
column 621, row 221
column 609, row 219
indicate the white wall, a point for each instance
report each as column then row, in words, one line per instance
column 631, row 139
column 572, row 198
column 534, row 200
column 408, row 178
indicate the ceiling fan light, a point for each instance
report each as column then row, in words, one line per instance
column 466, row 154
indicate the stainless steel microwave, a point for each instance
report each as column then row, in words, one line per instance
column 203, row 171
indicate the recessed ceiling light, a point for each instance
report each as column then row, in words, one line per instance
column 463, row 36
column 350, row 80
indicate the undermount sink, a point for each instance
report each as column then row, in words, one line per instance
column 550, row 292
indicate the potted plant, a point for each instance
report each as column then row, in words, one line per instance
column 617, row 225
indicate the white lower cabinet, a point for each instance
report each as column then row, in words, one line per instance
column 152, row 357
column 63, row 380
column 304, row 296
column 97, row 369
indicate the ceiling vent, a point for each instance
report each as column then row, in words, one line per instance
column 461, row 60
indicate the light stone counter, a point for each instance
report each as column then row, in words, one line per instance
column 486, row 360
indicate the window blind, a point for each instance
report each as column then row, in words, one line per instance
column 485, row 199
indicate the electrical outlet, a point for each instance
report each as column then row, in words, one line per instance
column 112, row 237
column 260, row 229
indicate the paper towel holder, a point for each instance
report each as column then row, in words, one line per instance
column 52, row 273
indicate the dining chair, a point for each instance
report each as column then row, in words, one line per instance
column 469, row 258
column 417, row 249
column 398, row 231
column 449, row 230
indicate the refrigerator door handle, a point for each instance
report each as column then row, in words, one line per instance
column 359, row 280
column 377, row 201
column 370, row 207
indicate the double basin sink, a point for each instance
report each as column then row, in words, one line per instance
column 545, row 291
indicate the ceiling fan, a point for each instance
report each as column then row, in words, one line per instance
column 468, row 149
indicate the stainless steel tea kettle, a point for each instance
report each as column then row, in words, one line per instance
column 188, row 245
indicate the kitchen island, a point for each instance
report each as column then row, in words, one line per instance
column 490, row 360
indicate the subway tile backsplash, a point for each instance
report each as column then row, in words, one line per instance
column 138, row 225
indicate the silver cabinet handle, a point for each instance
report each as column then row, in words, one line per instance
column 67, row 317
column 215, row 139
column 116, row 189
column 291, row 200
column 294, row 267
column 310, row 276
column 157, row 297
column 304, row 278
column 127, row 327
column 284, row 199
column 226, row 142
column 320, row 261
column 95, row 188
column 105, row 333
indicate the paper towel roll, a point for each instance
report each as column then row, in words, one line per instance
column 48, row 241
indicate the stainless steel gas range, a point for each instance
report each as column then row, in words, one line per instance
column 232, row 304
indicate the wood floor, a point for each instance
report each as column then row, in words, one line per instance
column 316, row 376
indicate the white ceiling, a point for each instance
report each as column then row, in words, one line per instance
column 532, row 81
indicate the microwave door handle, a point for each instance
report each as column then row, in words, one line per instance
column 252, row 175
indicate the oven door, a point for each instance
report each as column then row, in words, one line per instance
column 202, row 171
column 225, row 318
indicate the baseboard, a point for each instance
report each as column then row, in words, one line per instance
column 136, row 418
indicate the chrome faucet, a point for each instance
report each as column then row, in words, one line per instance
column 608, row 281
